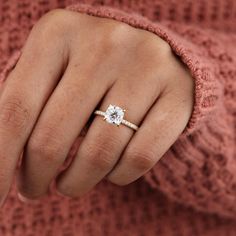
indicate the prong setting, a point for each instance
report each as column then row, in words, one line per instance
column 115, row 115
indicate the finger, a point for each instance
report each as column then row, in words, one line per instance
column 24, row 94
column 64, row 116
column 104, row 142
column 161, row 127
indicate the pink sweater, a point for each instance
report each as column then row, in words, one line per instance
column 192, row 190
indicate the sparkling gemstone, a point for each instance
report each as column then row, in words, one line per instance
column 114, row 114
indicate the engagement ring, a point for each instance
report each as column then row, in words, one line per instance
column 115, row 115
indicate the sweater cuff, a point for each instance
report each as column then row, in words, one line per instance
column 207, row 89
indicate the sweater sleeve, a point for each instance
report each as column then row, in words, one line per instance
column 199, row 170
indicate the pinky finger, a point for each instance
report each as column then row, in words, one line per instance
column 160, row 129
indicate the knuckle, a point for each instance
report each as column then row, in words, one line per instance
column 45, row 144
column 116, row 36
column 15, row 114
column 141, row 160
column 164, row 47
column 156, row 49
column 58, row 12
column 52, row 30
column 164, row 51
column 100, row 154
column 54, row 17
column 52, row 26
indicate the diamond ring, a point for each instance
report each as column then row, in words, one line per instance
column 115, row 115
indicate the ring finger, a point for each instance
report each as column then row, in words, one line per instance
column 104, row 142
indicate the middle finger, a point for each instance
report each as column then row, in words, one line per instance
column 60, row 122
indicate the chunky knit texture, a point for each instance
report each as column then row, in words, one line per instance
column 192, row 190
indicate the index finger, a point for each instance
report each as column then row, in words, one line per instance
column 24, row 94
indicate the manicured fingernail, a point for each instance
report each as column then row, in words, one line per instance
column 26, row 200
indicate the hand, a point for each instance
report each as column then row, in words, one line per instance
column 72, row 64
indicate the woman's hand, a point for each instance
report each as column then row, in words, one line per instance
column 71, row 65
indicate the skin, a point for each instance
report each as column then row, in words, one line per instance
column 71, row 65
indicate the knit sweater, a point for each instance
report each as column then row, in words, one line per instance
column 191, row 191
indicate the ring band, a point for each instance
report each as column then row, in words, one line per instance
column 115, row 115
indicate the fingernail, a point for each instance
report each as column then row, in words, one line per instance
column 26, row 200
column 61, row 195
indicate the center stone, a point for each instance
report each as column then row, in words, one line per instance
column 114, row 115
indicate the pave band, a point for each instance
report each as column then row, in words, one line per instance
column 114, row 115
